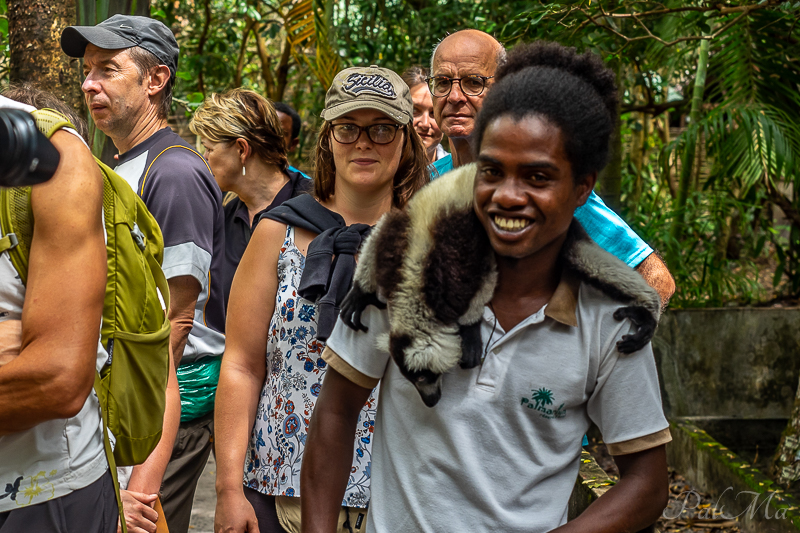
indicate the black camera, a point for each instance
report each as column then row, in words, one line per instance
column 27, row 157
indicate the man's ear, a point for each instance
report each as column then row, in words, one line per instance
column 159, row 78
column 244, row 149
column 585, row 186
column 292, row 145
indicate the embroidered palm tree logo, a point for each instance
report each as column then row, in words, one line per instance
column 543, row 397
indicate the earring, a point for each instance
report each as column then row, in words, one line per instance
column 243, row 171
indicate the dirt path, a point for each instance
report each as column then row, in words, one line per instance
column 205, row 500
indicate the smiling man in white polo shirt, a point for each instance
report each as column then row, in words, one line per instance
column 499, row 452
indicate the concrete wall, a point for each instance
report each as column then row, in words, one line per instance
column 737, row 489
column 735, row 362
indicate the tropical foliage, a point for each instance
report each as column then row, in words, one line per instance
column 711, row 210
column 706, row 172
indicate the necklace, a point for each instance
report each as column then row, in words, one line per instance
column 491, row 335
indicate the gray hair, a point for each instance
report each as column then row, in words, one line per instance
column 414, row 76
column 145, row 61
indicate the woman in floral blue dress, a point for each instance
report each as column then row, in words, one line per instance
column 368, row 160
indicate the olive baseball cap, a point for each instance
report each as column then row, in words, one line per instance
column 370, row 87
column 124, row 31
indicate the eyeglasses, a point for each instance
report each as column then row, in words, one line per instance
column 377, row 133
column 470, row 85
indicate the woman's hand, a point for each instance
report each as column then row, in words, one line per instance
column 140, row 517
column 10, row 340
column 234, row 514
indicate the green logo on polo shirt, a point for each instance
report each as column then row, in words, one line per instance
column 540, row 400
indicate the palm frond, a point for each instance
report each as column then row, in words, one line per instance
column 307, row 26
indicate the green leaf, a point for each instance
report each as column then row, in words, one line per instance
column 195, row 98
column 186, row 76
column 158, row 14
column 759, row 246
column 776, row 279
column 253, row 13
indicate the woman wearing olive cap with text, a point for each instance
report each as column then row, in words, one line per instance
column 284, row 302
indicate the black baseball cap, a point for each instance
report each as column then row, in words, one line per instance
column 124, row 31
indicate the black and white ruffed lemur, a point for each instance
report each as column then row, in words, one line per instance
column 434, row 267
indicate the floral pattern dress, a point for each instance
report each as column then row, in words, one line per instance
column 295, row 370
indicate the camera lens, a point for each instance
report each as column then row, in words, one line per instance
column 27, row 156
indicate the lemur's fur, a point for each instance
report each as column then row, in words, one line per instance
column 433, row 265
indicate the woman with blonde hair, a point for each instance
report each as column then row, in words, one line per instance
column 245, row 148
column 285, row 299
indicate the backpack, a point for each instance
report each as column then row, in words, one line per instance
column 131, row 386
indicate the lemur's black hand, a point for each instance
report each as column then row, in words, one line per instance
column 645, row 324
column 471, row 345
column 354, row 304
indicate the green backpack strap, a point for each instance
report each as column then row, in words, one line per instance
column 50, row 121
column 7, row 242
column 16, row 221
column 16, row 216
column 112, row 464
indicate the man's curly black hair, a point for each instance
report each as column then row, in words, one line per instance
column 575, row 92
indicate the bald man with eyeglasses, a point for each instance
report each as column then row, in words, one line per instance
column 462, row 73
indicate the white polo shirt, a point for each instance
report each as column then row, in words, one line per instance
column 500, row 450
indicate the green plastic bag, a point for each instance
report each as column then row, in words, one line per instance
column 198, row 385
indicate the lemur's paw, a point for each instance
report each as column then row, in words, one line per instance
column 471, row 345
column 354, row 304
column 645, row 324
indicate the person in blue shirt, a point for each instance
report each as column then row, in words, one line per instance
column 462, row 72
column 290, row 123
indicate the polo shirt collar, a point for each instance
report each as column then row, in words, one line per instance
column 562, row 306
column 564, row 303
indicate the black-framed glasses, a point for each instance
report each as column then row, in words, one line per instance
column 377, row 133
column 473, row 85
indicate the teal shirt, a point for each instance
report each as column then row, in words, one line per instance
column 299, row 172
column 602, row 224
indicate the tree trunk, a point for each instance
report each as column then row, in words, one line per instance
column 237, row 77
column 676, row 231
column 666, row 169
column 201, row 86
column 609, row 181
column 266, row 64
column 91, row 12
column 34, row 28
column 637, row 142
column 282, row 73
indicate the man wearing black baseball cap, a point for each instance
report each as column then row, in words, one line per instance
column 129, row 67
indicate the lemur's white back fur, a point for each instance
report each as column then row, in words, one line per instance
column 435, row 347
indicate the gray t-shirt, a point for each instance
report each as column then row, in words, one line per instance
column 179, row 190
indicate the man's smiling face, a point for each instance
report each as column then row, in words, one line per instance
column 465, row 53
column 525, row 194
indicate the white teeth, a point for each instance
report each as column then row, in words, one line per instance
column 511, row 224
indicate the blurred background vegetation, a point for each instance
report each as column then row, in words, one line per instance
column 706, row 160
